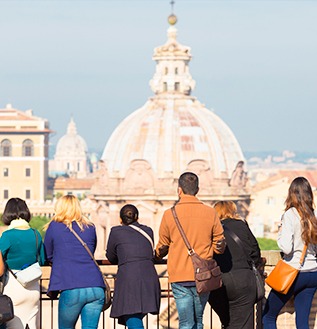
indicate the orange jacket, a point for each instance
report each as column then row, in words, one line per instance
column 202, row 228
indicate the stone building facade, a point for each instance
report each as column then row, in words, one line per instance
column 24, row 142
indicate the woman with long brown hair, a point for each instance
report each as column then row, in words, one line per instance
column 298, row 228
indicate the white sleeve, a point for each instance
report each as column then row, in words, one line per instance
column 285, row 239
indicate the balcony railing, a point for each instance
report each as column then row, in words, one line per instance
column 167, row 319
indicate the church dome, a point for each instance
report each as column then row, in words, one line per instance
column 71, row 144
column 71, row 156
column 170, row 134
column 173, row 131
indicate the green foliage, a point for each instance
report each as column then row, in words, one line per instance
column 58, row 195
column 267, row 244
column 38, row 222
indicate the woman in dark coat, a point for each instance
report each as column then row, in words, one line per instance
column 137, row 288
column 234, row 301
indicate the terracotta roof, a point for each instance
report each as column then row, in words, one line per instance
column 73, row 183
column 289, row 175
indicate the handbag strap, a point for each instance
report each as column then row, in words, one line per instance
column 302, row 257
column 138, row 229
column 238, row 241
column 37, row 245
column 84, row 244
column 191, row 251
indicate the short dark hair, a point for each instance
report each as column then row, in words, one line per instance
column 189, row 182
column 129, row 214
column 14, row 209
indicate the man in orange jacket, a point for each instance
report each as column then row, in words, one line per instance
column 205, row 234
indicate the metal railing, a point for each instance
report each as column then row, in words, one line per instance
column 167, row 319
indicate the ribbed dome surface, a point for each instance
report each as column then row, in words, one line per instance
column 169, row 134
column 172, row 128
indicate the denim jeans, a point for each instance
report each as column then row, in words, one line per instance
column 86, row 302
column 303, row 289
column 134, row 321
column 190, row 306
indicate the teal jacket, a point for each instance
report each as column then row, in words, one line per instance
column 18, row 248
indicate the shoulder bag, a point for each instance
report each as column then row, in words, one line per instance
column 283, row 275
column 31, row 273
column 6, row 305
column 260, row 289
column 107, row 302
column 207, row 272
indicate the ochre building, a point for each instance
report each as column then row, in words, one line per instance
column 24, row 141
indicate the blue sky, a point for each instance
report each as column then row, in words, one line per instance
column 254, row 62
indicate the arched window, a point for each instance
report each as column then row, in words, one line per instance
column 6, row 148
column 27, row 148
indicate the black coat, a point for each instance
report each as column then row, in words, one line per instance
column 234, row 257
column 137, row 287
column 234, row 301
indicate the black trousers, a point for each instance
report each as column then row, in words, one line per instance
column 234, row 301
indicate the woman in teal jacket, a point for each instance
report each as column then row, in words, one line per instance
column 21, row 246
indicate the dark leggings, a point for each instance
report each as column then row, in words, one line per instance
column 303, row 290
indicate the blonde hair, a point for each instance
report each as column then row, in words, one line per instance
column 226, row 209
column 68, row 210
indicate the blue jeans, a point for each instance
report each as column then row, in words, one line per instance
column 303, row 290
column 134, row 321
column 190, row 306
column 86, row 302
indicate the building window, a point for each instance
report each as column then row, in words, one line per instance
column 176, row 86
column 68, row 165
column 165, row 86
column 6, row 148
column 166, row 70
column 27, row 148
column 78, row 166
column 5, row 172
column 27, row 172
column 28, row 194
column 270, row 201
column 176, row 70
column 5, row 194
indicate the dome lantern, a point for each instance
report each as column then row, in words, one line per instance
column 172, row 76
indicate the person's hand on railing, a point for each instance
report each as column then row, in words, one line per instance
column 221, row 245
column 261, row 267
column 161, row 252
